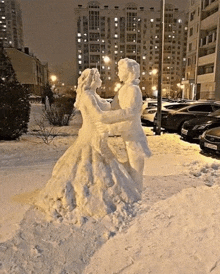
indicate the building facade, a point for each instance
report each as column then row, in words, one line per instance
column 30, row 72
column 11, row 31
column 107, row 34
column 203, row 57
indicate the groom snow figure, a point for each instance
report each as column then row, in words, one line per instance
column 129, row 99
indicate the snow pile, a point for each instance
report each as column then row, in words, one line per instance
column 178, row 235
column 209, row 172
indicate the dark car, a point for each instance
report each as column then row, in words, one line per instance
column 173, row 120
column 210, row 140
column 194, row 128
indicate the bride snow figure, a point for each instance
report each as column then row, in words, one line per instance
column 88, row 180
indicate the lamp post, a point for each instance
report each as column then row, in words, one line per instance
column 53, row 79
column 160, row 70
column 153, row 73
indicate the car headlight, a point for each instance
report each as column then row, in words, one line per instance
column 200, row 127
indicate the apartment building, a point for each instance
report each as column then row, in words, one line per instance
column 11, row 31
column 105, row 34
column 203, row 57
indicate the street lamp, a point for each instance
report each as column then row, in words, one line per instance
column 153, row 73
column 160, row 71
column 53, row 78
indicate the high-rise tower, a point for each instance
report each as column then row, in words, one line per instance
column 11, row 32
column 131, row 31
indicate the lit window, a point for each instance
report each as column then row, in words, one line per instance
column 173, row 36
column 109, row 78
column 152, row 20
column 116, row 19
column 186, row 28
column 144, row 57
column 80, row 62
column 156, row 37
column 79, row 56
column 116, row 25
column 116, row 52
column 103, row 41
column 116, row 35
column 143, row 88
column 3, row 17
column 79, row 40
column 179, row 21
column 156, row 47
column 184, row 59
column 143, row 73
column 79, row 34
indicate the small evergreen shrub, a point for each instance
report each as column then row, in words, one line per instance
column 60, row 111
column 14, row 102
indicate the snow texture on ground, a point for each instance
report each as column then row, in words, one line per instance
column 173, row 229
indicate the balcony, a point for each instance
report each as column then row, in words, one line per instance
column 209, row 21
column 207, row 59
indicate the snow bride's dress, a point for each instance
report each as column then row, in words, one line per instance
column 88, row 180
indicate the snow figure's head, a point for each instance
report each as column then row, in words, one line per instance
column 89, row 80
column 128, row 70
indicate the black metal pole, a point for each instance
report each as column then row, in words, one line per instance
column 160, row 70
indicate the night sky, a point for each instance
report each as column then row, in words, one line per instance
column 49, row 30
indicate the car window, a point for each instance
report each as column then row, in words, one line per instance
column 176, row 106
column 201, row 108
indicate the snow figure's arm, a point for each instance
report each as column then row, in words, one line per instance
column 130, row 103
column 106, row 117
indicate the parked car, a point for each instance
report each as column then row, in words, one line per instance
column 210, row 140
column 194, row 128
column 148, row 114
column 173, row 120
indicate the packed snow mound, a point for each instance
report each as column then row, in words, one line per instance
column 178, row 235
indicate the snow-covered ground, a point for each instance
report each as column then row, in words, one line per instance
column 174, row 229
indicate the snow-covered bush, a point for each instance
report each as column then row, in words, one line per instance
column 14, row 102
column 60, row 112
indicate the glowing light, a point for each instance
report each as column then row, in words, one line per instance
column 53, row 78
column 106, row 59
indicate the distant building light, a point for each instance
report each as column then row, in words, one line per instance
column 109, row 78
column 116, row 19
column 79, row 40
column 79, row 56
column 80, row 62
column 152, row 20
column 143, row 88
column 116, row 35
column 143, row 73
column 79, row 34
column 144, row 57
column 179, row 20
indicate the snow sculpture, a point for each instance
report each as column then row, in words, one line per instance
column 88, row 180
column 129, row 98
